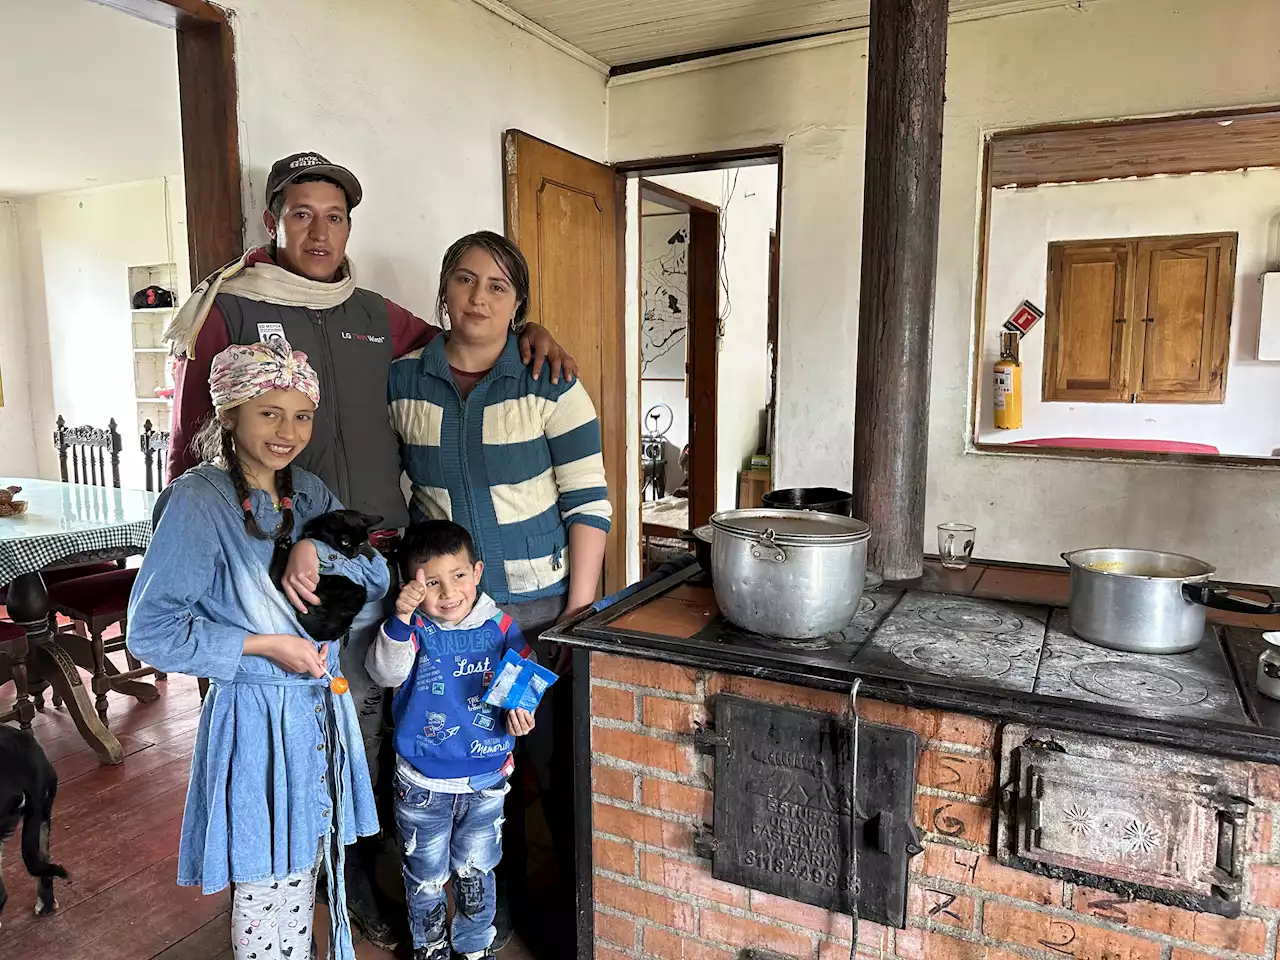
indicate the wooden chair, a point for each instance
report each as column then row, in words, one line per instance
column 90, row 450
column 13, row 665
column 99, row 598
column 155, row 451
column 155, row 454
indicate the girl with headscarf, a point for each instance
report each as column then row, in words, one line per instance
column 279, row 782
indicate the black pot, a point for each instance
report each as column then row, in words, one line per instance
column 700, row 540
column 817, row 499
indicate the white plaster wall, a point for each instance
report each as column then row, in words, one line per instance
column 656, row 230
column 17, row 444
column 76, row 252
column 631, row 310
column 1100, row 59
column 91, row 97
column 1025, row 222
column 748, row 202
column 413, row 96
column 675, row 394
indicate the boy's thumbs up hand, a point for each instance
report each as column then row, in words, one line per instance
column 411, row 596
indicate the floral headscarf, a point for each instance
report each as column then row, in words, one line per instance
column 240, row 373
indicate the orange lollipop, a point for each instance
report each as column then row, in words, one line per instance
column 339, row 685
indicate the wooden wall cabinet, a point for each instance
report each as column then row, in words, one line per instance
column 1140, row 320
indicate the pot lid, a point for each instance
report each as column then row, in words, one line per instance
column 797, row 527
column 704, row 532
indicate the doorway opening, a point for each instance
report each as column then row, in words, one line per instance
column 94, row 218
column 115, row 198
column 702, row 254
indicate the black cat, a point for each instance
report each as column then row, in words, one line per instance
column 347, row 531
column 28, row 785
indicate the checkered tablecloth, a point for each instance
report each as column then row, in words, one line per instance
column 70, row 521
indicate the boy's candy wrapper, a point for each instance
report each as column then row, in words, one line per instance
column 519, row 684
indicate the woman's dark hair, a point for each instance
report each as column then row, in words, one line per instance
column 507, row 256
column 430, row 539
column 216, row 442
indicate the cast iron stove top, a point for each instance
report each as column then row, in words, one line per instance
column 964, row 645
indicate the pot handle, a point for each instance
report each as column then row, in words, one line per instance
column 766, row 549
column 1220, row 598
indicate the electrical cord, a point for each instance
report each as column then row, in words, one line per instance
column 852, row 709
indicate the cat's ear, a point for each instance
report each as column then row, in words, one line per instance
column 371, row 520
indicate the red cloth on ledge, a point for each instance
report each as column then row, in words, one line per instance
column 1091, row 443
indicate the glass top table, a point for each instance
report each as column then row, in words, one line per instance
column 71, row 520
column 65, row 523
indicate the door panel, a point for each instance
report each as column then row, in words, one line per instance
column 704, row 363
column 1087, row 330
column 563, row 210
column 1185, row 325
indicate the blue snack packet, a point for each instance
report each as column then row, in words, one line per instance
column 519, row 684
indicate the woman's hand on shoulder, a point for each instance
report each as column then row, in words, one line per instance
column 294, row 654
column 302, row 575
column 537, row 345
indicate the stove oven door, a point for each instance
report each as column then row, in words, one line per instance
column 1164, row 824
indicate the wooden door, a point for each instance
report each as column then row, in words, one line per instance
column 1185, row 288
column 1087, row 330
column 704, row 362
column 564, row 211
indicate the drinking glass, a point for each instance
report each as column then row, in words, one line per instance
column 955, row 544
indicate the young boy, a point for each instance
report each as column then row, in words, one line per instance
column 453, row 757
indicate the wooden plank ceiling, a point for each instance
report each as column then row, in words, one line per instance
column 627, row 32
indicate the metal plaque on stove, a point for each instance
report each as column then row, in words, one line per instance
column 783, row 809
column 1142, row 821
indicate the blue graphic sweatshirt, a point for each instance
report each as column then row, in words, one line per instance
column 444, row 730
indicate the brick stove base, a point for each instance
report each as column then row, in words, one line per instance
column 654, row 898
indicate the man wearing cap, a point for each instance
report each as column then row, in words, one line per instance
column 302, row 287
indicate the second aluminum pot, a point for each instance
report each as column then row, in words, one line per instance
column 788, row 574
column 1146, row 601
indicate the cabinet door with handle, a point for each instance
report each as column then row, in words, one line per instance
column 1087, row 328
column 1184, row 290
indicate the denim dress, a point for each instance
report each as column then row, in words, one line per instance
column 278, row 770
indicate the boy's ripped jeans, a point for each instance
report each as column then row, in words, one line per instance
column 443, row 835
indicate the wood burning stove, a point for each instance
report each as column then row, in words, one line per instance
column 795, row 817
column 1137, row 820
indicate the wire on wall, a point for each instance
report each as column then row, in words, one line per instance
column 727, row 191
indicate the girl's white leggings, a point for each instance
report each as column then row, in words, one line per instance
column 272, row 920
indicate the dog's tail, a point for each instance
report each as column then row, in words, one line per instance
column 35, row 837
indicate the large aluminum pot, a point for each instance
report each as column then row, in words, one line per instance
column 1146, row 601
column 790, row 574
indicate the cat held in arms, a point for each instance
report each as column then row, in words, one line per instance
column 346, row 531
column 28, row 785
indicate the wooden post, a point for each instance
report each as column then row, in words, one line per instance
column 906, row 73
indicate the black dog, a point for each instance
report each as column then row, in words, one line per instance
column 347, row 531
column 28, row 786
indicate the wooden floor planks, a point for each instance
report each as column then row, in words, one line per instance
column 116, row 830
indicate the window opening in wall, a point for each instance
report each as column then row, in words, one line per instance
column 1145, row 246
